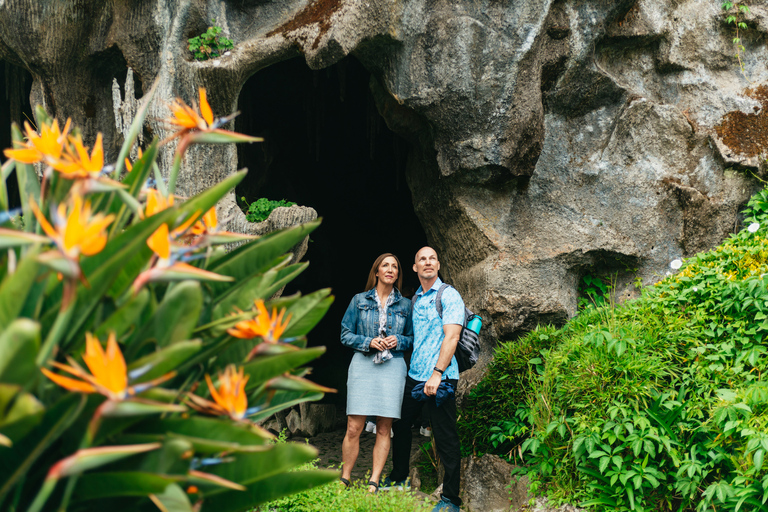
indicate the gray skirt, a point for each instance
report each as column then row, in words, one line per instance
column 375, row 389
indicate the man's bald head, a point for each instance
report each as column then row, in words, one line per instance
column 426, row 264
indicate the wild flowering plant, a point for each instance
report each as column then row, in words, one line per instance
column 115, row 306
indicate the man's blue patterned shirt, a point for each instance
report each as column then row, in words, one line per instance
column 428, row 330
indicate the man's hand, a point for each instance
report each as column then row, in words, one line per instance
column 430, row 388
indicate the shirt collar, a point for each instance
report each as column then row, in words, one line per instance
column 435, row 286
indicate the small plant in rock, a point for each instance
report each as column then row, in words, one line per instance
column 210, row 44
column 593, row 291
column 735, row 17
column 260, row 209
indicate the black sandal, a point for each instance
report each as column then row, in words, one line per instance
column 345, row 482
column 371, row 483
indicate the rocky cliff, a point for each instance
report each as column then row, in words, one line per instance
column 549, row 139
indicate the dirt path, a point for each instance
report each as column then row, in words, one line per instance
column 329, row 445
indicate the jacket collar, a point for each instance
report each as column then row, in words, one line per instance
column 370, row 294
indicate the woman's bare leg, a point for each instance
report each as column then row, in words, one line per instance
column 381, row 448
column 350, row 447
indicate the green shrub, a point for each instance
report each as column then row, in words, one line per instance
column 260, row 209
column 661, row 404
column 490, row 418
column 210, row 44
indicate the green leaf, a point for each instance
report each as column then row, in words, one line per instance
column 176, row 317
column 14, row 238
column 283, row 400
column 101, row 269
column 129, row 408
column 204, row 428
column 93, row 486
column 259, row 286
column 18, row 459
column 19, row 411
column 174, row 499
column 263, row 368
column 255, row 256
column 248, row 467
column 269, row 489
column 162, row 361
column 29, row 186
column 222, row 137
column 19, row 344
column 90, row 458
column 305, row 311
column 125, row 318
column 134, row 181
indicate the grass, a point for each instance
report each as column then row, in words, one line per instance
column 337, row 498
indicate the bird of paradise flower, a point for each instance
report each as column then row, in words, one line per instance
column 268, row 327
column 108, row 372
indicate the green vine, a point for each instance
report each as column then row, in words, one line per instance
column 736, row 18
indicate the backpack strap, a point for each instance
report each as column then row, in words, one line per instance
column 439, row 299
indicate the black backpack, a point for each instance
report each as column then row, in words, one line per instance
column 468, row 347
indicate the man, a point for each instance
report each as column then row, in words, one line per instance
column 432, row 363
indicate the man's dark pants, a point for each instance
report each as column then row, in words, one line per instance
column 444, row 434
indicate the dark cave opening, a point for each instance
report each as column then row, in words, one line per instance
column 14, row 108
column 327, row 147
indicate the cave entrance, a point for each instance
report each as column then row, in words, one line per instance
column 327, row 147
column 16, row 83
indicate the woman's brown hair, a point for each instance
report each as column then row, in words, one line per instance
column 372, row 274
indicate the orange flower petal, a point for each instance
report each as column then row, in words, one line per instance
column 24, row 155
column 159, row 242
column 68, row 383
column 43, row 221
column 205, row 108
column 117, row 372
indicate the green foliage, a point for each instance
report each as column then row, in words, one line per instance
column 593, row 291
column 660, row 404
column 428, row 467
column 494, row 407
column 260, row 209
column 210, row 44
column 132, row 442
column 334, row 496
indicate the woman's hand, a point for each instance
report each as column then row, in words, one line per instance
column 380, row 344
column 390, row 342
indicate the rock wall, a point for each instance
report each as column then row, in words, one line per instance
column 550, row 138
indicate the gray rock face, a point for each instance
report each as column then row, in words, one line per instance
column 487, row 485
column 484, row 484
column 293, row 421
column 317, row 418
column 550, row 138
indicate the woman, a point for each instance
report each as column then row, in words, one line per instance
column 378, row 326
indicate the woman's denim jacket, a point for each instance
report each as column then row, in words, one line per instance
column 361, row 322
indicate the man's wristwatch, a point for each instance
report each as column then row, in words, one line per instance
column 438, row 370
